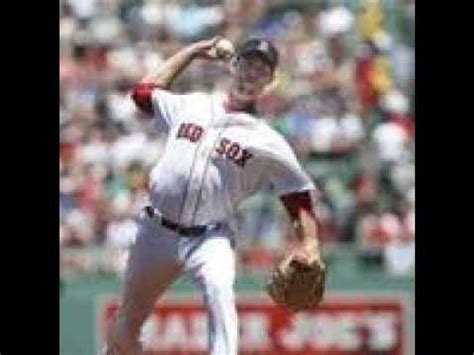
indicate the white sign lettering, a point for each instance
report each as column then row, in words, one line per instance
column 254, row 328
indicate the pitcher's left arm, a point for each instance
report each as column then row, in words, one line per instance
column 300, row 208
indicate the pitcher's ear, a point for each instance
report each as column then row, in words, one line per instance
column 273, row 83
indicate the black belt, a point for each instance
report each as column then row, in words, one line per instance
column 186, row 231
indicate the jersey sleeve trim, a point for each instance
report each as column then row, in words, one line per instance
column 296, row 201
column 142, row 96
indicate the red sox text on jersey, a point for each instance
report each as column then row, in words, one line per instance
column 231, row 150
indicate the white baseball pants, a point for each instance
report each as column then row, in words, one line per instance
column 157, row 258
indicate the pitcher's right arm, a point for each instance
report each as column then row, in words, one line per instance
column 170, row 69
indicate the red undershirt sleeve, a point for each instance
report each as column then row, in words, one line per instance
column 295, row 201
column 141, row 95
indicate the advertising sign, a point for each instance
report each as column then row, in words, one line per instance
column 348, row 324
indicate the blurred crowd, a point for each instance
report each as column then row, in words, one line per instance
column 343, row 97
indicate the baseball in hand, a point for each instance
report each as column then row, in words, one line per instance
column 224, row 48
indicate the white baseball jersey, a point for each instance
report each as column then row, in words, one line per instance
column 213, row 159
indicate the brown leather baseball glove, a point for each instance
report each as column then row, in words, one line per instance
column 296, row 285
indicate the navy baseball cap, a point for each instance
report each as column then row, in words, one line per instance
column 264, row 48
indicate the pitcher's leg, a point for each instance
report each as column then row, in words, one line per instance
column 149, row 272
column 212, row 267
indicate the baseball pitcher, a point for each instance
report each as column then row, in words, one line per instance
column 217, row 153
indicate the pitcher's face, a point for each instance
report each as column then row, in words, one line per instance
column 251, row 76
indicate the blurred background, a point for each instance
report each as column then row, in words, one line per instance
column 344, row 99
